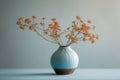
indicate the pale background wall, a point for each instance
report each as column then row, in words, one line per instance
column 24, row 49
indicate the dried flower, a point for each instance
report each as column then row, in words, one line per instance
column 94, row 27
column 43, row 18
column 74, row 22
column 74, row 39
column 81, row 21
column 97, row 36
column 80, row 30
column 18, row 22
column 84, row 39
column 30, row 27
column 42, row 23
column 22, row 26
column 27, row 20
column 78, row 17
column 53, row 19
column 89, row 21
column 34, row 17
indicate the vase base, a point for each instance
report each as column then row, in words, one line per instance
column 64, row 71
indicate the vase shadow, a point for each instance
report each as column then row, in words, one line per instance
column 30, row 74
column 37, row 74
column 42, row 74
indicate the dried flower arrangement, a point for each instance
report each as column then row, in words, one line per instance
column 52, row 32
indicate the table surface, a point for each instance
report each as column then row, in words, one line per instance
column 48, row 74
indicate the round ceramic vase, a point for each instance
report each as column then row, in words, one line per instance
column 65, row 60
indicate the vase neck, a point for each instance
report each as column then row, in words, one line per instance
column 64, row 46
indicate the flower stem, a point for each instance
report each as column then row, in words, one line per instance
column 45, row 38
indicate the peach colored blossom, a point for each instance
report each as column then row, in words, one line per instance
column 79, row 30
column 34, row 17
column 27, row 20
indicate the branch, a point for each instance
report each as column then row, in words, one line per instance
column 45, row 38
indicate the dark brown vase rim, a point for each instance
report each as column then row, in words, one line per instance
column 64, row 46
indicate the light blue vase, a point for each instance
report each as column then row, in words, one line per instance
column 64, row 60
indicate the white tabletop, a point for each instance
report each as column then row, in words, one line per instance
column 48, row 74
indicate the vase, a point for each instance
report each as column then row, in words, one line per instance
column 64, row 60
